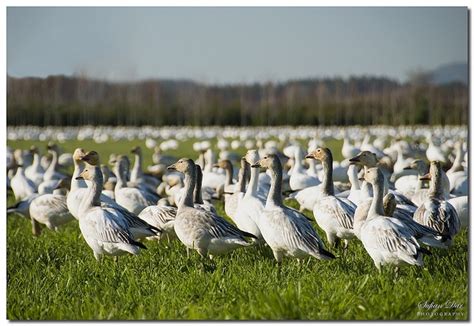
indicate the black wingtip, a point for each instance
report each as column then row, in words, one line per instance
column 155, row 230
column 326, row 253
column 139, row 244
column 248, row 235
column 425, row 251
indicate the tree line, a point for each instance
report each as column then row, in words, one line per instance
column 64, row 100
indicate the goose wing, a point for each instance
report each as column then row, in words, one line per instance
column 219, row 227
column 438, row 215
column 159, row 214
column 394, row 237
column 297, row 232
column 103, row 226
column 131, row 220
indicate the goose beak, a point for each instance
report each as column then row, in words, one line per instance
column 362, row 179
column 354, row 159
column 79, row 178
column 216, row 165
column 310, row 156
column 426, row 177
column 171, row 167
column 256, row 165
column 407, row 168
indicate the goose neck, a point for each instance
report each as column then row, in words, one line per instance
column 376, row 207
column 274, row 195
column 92, row 197
column 327, row 185
column 189, row 186
column 253, row 183
column 75, row 184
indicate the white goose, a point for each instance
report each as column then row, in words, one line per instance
column 386, row 239
column 104, row 229
column 205, row 232
column 35, row 171
column 137, row 175
column 50, row 209
column 286, row 231
column 250, row 207
column 436, row 212
column 458, row 178
column 22, row 186
column 232, row 201
column 51, row 172
column 299, row 179
column 333, row 214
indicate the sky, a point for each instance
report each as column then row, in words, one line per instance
column 233, row 45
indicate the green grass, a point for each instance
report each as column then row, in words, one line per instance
column 56, row 276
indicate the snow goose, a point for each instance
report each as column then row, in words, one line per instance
column 333, row 214
column 286, row 231
column 355, row 195
column 436, row 212
column 138, row 228
column 232, row 200
column 250, row 207
column 458, row 178
column 410, row 184
column 199, row 202
column 137, row 175
column 434, row 152
column 386, row 239
column 22, row 186
column 211, row 178
column 35, row 171
column 205, row 232
column 133, row 199
column 51, row 209
column 228, row 186
column 299, row 179
column 109, row 184
column 348, row 150
column 51, row 172
column 104, row 229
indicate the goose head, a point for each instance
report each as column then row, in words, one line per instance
column 223, row 164
column 374, row 176
column 52, row 147
column 434, row 173
column 365, row 158
column 112, row 159
column 87, row 174
column 92, row 158
column 34, row 150
column 418, row 165
column 321, row 154
column 78, row 154
column 270, row 161
column 136, row 150
column 64, row 183
column 252, row 157
column 184, row 165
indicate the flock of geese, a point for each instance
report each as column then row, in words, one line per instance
column 399, row 199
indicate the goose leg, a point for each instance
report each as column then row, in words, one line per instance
column 36, row 228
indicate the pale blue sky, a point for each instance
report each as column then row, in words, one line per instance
column 220, row 45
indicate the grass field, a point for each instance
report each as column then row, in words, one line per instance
column 56, row 276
